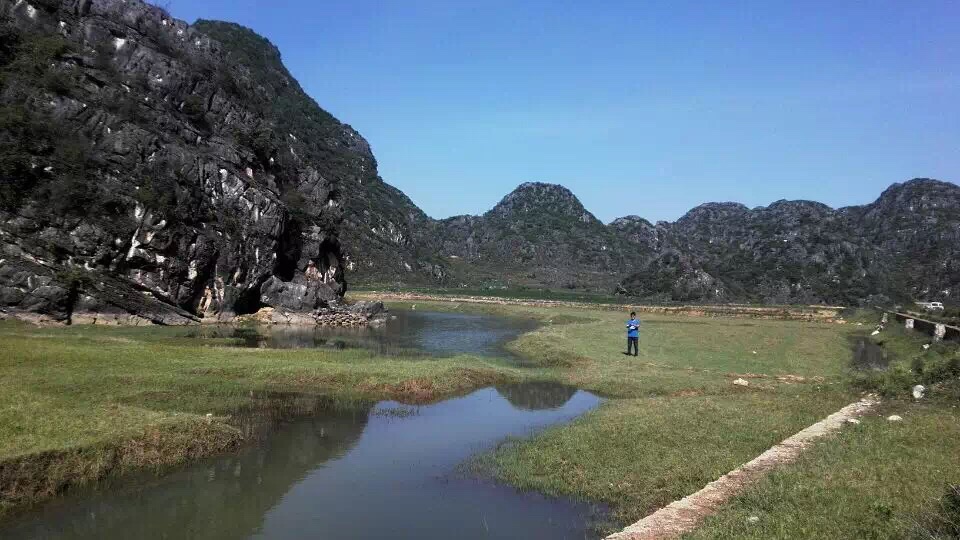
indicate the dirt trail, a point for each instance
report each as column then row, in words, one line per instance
column 685, row 515
column 797, row 313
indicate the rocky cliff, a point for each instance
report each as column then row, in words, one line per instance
column 903, row 246
column 157, row 171
column 540, row 233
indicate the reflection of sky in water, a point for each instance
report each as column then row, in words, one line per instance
column 430, row 332
column 348, row 474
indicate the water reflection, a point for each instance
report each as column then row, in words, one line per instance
column 222, row 498
column 408, row 332
column 344, row 474
column 868, row 355
column 536, row 396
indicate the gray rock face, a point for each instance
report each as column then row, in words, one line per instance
column 163, row 172
column 539, row 234
column 154, row 171
column 903, row 246
column 305, row 296
column 906, row 245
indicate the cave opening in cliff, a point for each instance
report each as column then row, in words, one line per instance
column 328, row 261
column 289, row 248
column 248, row 300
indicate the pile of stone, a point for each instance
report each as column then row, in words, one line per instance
column 341, row 318
column 336, row 314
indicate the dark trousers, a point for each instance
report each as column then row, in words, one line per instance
column 632, row 342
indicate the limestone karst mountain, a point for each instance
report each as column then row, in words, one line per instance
column 154, row 170
column 158, row 171
column 904, row 245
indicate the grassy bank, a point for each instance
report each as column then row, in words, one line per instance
column 746, row 311
column 878, row 479
column 675, row 420
column 72, row 399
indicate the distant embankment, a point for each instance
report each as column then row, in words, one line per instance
column 795, row 313
column 938, row 330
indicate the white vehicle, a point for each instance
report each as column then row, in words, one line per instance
column 931, row 306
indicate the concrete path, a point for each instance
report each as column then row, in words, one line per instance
column 685, row 515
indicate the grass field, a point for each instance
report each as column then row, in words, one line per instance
column 80, row 402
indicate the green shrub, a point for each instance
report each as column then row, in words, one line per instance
column 943, row 370
column 916, row 365
column 164, row 190
column 22, row 137
column 195, row 110
column 9, row 41
column 935, row 366
column 943, row 520
column 296, row 205
column 57, row 82
column 35, row 53
column 126, row 107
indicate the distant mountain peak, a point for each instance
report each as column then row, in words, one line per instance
column 538, row 188
column 919, row 187
column 714, row 211
column 542, row 198
column 630, row 221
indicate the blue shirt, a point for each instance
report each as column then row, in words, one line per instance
column 633, row 328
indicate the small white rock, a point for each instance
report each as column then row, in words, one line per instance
column 894, row 418
column 753, row 519
column 741, row 382
column 926, row 346
column 918, row 391
column 853, row 421
column 875, row 332
column 754, row 352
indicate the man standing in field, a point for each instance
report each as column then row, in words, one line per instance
column 633, row 333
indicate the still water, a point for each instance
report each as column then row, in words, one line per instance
column 868, row 355
column 407, row 331
column 376, row 471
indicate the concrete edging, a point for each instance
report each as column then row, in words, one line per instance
column 686, row 514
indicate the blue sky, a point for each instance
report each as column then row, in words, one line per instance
column 645, row 108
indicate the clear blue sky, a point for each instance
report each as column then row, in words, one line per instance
column 645, row 108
